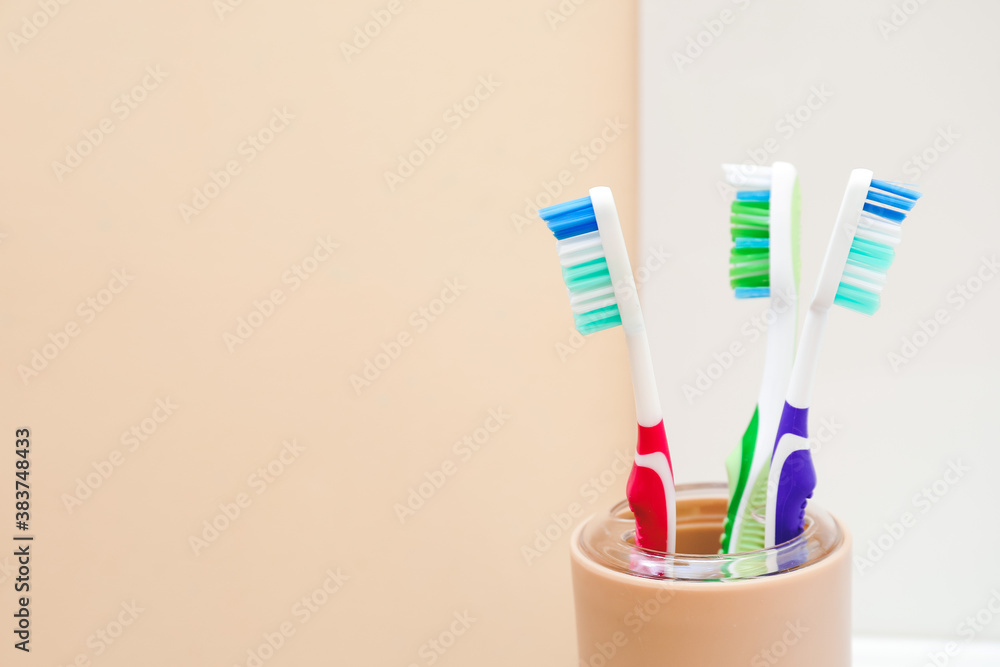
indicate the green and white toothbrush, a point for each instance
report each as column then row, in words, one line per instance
column 764, row 263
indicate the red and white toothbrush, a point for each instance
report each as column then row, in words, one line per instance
column 603, row 295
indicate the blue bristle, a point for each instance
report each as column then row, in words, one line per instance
column 570, row 219
column 588, row 280
column 901, row 200
column 752, row 292
column 858, row 289
column 883, row 212
column 580, row 204
column 752, row 243
column 754, row 195
column 896, row 189
column 890, row 200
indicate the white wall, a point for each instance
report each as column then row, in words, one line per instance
column 893, row 96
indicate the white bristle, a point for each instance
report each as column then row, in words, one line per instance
column 866, row 273
column 580, row 297
column 583, row 302
column 866, row 279
column 868, row 287
column 575, row 242
column 581, row 257
column 879, row 229
column 596, row 304
column 748, row 176
column 877, row 237
column 580, row 249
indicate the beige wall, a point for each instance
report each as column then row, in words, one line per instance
column 157, row 331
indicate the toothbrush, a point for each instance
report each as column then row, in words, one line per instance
column 602, row 295
column 764, row 263
column 861, row 249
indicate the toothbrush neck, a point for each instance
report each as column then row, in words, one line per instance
column 648, row 411
column 778, row 356
column 807, row 357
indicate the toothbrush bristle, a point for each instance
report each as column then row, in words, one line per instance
column 749, row 259
column 584, row 267
column 872, row 251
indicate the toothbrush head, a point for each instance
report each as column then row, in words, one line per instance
column 584, row 264
column 764, row 224
column 750, row 256
column 870, row 220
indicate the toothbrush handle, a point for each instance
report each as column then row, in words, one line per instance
column 650, row 491
column 792, row 478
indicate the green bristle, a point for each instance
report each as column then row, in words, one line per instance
column 752, row 535
column 750, row 265
column 759, row 280
column 597, row 320
column 587, row 276
column 744, row 254
column 857, row 299
column 871, row 254
column 750, row 207
column 747, row 226
column 755, row 272
column 745, row 233
column 749, row 220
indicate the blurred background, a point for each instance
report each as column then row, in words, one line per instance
column 903, row 448
column 294, row 351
